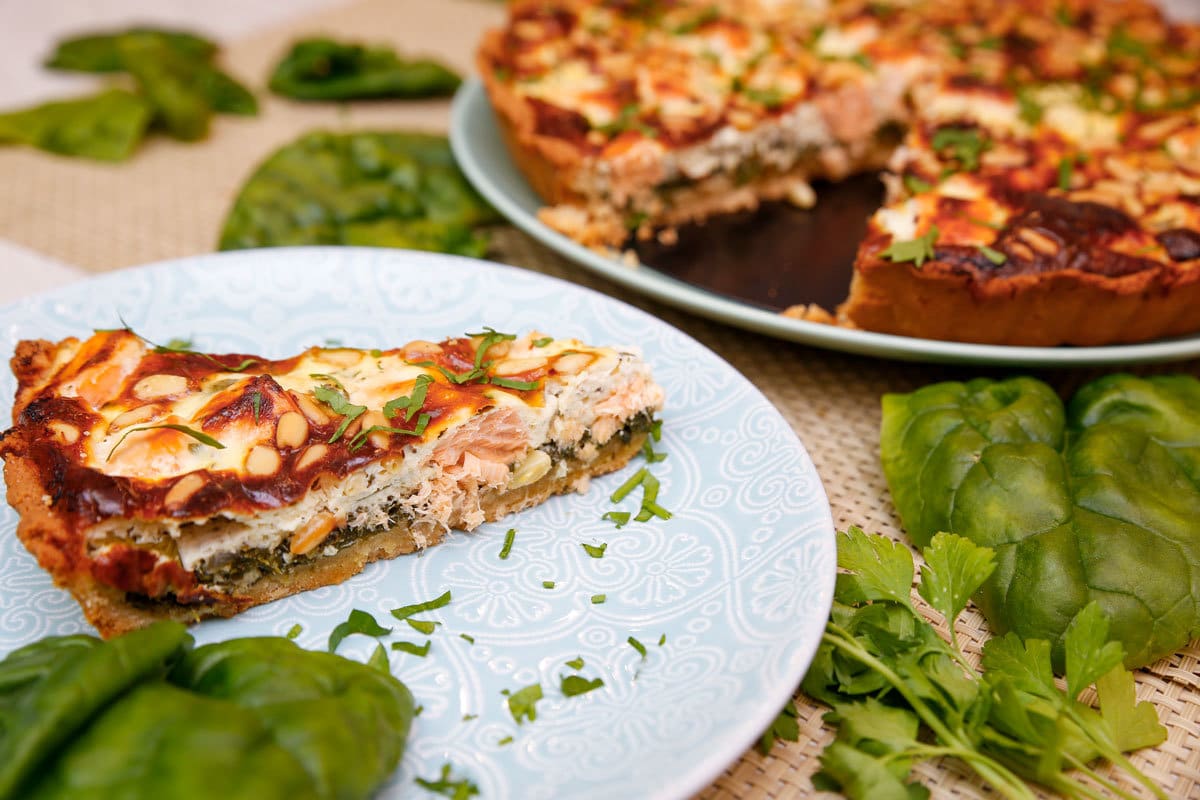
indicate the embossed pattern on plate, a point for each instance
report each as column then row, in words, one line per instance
column 739, row 580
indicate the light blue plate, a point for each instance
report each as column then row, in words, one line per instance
column 739, row 581
column 483, row 157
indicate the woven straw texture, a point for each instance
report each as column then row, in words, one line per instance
column 171, row 198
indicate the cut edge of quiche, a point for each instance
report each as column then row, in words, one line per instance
column 1046, row 186
column 156, row 483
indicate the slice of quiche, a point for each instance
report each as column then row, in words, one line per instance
column 159, row 483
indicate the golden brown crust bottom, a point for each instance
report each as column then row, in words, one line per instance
column 61, row 552
column 1042, row 310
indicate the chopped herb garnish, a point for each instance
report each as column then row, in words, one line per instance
column 628, row 486
column 361, row 437
column 965, row 145
column 990, row 43
column 460, row 789
column 1066, row 169
column 340, row 405
column 575, row 663
column 650, row 455
column 992, row 255
column 864, row 61
column 996, row 226
column 203, row 438
column 770, row 98
column 358, row 622
column 785, row 726
column 636, row 645
column 422, row 626
column 710, row 14
column 621, row 518
column 656, row 430
column 490, row 337
column 469, row 717
column 455, row 378
column 547, row 584
column 505, row 740
column 295, row 631
column 917, row 250
column 175, row 346
column 509, row 537
column 404, row 612
column 575, row 685
column 509, row 383
column 597, row 599
column 376, row 352
column 379, row 659
column 256, row 403
column 420, row 651
column 324, row 376
column 1029, row 109
column 542, row 342
column 594, row 551
column 411, row 404
column 467, row 637
column 523, row 702
column 662, row 640
column 626, row 120
column 915, row 185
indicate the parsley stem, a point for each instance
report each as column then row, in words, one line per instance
column 1097, row 777
column 999, row 776
column 1111, row 752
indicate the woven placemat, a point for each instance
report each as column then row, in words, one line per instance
column 170, row 200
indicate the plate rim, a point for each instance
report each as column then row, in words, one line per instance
column 740, row 737
column 471, row 100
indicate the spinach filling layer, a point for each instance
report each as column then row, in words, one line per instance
column 249, row 565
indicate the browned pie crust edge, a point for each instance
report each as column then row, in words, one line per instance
column 1066, row 306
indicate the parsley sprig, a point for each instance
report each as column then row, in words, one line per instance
column 889, row 675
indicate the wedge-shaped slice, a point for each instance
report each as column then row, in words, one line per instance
column 157, row 483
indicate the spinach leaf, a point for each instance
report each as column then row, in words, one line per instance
column 100, row 52
column 323, row 69
column 163, row 741
column 52, row 688
column 1096, row 501
column 376, row 189
column 345, row 722
column 106, row 126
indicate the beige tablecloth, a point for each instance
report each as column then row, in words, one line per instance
column 171, row 198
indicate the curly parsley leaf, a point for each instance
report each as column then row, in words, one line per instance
column 522, row 704
column 358, row 622
column 917, row 250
